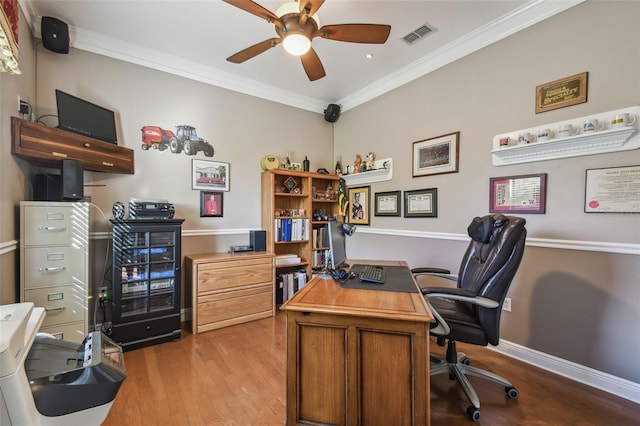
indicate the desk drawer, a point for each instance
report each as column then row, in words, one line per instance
column 63, row 304
column 235, row 304
column 236, row 274
column 56, row 225
column 53, row 265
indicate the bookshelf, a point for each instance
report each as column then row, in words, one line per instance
column 295, row 205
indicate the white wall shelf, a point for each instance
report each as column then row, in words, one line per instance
column 600, row 142
column 383, row 171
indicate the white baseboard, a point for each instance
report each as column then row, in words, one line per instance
column 615, row 385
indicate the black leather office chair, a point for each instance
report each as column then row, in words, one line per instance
column 471, row 311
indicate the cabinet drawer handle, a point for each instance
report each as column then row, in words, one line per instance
column 53, row 269
column 62, row 308
column 59, row 154
column 87, row 145
column 104, row 163
column 53, row 228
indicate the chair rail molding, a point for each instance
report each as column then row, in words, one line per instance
column 8, row 246
column 598, row 246
column 598, row 142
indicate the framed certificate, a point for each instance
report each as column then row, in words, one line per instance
column 421, row 203
column 387, row 203
column 518, row 194
column 612, row 190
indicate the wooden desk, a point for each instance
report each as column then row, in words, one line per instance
column 357, row 357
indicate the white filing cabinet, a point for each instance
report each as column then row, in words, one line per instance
column 54, row 264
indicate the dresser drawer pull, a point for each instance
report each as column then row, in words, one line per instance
column 53, row 269
column 53, row 228
column 104, row 163
column 62, row 308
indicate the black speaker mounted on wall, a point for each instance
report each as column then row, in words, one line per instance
column 332, row 113
column 55, row 34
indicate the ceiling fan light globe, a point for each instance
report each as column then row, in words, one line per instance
column 296, row 44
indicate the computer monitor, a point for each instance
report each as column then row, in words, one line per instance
column 337, row 245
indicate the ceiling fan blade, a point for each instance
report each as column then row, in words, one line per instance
column 254, row 50
column 253, row 8
column 312, row 65
column 355, row 33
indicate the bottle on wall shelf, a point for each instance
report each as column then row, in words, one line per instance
column 305, row 164
column 338, row 166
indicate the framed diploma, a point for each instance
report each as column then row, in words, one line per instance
column 518, row 194
column 612, row 190
column 421, row 203
column 387, row 203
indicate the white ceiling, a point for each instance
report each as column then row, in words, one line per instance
column 194, row 38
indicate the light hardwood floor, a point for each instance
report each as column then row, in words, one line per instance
column 236, row 376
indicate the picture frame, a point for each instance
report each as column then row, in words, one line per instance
column 421, row 203
column 209, row 175
column 359, row 201
column 387, row 203
column 211, row 203
column 610, row 190
column 518, row 194
column 436, row 155
column 562, row 93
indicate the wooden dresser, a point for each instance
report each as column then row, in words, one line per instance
column 229, row 288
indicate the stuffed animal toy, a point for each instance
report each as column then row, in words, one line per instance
column 357, row 164
column 371, row 158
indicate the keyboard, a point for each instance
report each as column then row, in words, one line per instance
column 372, row 274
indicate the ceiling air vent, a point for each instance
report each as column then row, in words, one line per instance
column 417, row 34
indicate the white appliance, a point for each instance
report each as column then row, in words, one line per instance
column 46, row 381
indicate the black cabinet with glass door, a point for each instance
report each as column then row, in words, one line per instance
column 146, row 281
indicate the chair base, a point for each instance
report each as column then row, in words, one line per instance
column 457, row 366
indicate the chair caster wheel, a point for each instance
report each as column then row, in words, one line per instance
column 452, row 377
column 465, row 361
column 473, row 413
column 511, row 392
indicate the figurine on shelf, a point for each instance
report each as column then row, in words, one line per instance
column 371, row 158
column 357, row 164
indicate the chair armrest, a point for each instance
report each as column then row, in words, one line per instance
column 437, row 272
column 430, row 270
column 460, row 294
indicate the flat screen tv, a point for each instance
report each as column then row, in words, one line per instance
column 82, row 117
column 337, row 245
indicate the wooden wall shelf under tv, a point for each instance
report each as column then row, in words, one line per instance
column 46, row 146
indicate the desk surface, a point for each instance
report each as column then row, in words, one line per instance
column 324, row 295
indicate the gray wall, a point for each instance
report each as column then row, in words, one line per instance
column 582, row 306
column 574, row 304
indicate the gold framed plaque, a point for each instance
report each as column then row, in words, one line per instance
column 562, row 93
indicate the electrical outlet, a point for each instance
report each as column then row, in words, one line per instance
column 506, row 306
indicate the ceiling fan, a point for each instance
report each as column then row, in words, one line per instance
column 296, row 24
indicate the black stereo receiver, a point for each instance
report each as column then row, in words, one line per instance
column 147, row 209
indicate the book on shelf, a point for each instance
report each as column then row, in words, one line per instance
column 288, row 229
column 287, row 259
